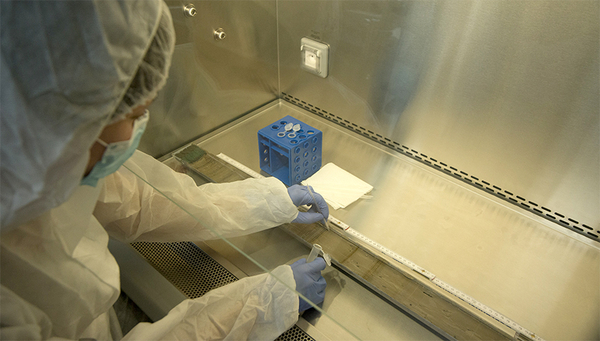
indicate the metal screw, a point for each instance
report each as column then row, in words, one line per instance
column 189, row 10
column 219, row 34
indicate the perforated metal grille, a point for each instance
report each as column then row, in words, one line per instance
column 186, row 266
column 556, row 217
column 296, row 334
column 195, row 273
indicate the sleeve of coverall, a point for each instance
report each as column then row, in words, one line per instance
column 175, row 209
column 253, row 308
column 258, row 307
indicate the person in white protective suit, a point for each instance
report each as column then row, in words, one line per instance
column 76, row 78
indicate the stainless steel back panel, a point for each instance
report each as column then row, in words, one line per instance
column 504, row 90
column 212, row 82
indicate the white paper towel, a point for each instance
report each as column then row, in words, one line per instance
column 338, row 187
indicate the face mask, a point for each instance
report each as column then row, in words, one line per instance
column 116, row 153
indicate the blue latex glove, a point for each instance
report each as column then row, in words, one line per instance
column 301, row 196
column 309, row 281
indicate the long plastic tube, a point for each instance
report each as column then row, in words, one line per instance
column 314, row 253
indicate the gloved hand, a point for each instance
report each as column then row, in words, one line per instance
column 301, row 196
column 309, row 281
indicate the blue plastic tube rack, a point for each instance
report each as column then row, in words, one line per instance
column 290, row 156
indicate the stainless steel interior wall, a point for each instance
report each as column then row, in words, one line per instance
column 507, row 91
column 212, row 82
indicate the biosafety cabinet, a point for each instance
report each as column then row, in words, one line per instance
column 475, row 122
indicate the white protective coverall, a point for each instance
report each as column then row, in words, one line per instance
column 59, row 279
column 66, row 67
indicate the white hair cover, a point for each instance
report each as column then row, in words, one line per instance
column 67, row 69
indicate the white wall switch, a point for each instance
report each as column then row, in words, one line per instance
column 315, row 57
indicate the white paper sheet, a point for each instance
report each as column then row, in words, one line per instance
column 337, row 186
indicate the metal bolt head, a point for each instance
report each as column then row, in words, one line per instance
column 189, row 10
column 219, row 34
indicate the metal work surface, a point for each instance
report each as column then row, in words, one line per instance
column 470, row 179
column 506, row 91
column 542, row 276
